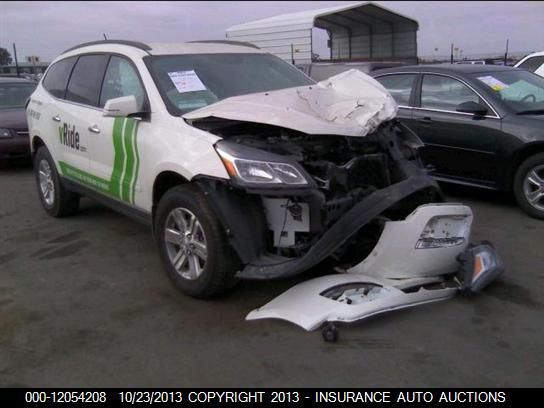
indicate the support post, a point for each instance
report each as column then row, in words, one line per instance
column 15, row 57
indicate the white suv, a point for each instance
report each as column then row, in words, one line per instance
column 533, row 62
column 243, row 166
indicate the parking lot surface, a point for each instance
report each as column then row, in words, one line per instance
column 84, row 302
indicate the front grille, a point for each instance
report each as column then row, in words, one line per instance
column 22, row 132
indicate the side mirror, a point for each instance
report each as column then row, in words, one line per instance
column 120, row 107
column 472, row 107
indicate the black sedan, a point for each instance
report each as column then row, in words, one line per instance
column 14, row 139
column 481, row 125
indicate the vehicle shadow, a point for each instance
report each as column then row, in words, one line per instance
column 22, row 164
column 460, row 192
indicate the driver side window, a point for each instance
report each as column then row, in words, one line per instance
column 121, row 79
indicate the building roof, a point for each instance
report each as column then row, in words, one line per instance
column 347, row 15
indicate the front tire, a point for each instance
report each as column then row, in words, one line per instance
column 193, row 246
column 56, row 200
column 529, row 186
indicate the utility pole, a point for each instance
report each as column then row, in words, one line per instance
column 451, row 54
column 16, row 63
column 506, row 53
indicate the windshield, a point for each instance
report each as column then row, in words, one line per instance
column 14, row 95
column 522, row 91
column 189, row 82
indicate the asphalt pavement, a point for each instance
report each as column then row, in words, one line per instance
column 84, row 303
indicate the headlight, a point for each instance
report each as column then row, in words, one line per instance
column 5, row 133
column 261, row 172
column 444, row 231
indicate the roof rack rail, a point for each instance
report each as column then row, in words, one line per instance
column 135, row 44
column 240, row 43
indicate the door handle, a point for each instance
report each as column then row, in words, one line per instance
column 426, row 120
column 94, row 129
column 56, row 118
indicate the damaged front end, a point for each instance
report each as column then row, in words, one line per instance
column 332, row 176
column 296, row 199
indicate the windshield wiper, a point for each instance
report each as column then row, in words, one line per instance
column 531, row 112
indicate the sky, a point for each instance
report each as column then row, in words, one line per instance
column 47, row 28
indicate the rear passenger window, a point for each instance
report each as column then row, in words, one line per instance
column 86, row 79
column 57, row 77
column 121, row 79
column 399, row 86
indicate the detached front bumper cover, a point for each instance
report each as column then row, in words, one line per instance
column 396, row 275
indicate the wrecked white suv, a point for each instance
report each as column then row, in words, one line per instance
column 246, row 168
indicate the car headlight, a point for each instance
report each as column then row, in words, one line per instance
column 261, row 172
column 444, row 231
column 5, row 133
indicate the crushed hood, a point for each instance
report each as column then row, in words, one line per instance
column 351, row 104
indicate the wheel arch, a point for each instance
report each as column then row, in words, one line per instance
column 520, row 156
column 36, row 143
column 164, row 181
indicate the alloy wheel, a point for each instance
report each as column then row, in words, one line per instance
column 533, row 187
column 47, row 186
column 185, row 243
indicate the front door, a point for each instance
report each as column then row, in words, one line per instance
column 458, row 145
column 115, row 151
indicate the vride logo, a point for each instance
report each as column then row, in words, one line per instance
column 69, row 136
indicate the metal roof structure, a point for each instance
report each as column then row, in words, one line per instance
column 358, row 31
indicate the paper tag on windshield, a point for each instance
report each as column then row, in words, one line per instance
column 493, row 83
column 186, row 81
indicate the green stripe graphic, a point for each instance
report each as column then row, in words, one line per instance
column 118, row 161
column 126, row 163
column 85, row 178
column 129, row 162
column 136, row 166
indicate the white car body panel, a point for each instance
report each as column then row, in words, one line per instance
column 395, row 255
column 394, row 264
column 304, row 305
column 350, row 104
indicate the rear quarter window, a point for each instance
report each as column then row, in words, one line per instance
column 399, row 86
column 532, row 64
column 57, row 77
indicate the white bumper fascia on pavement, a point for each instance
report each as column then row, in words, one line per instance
column 410, row 265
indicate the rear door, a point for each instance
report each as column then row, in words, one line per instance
column 79, row 110
column 458, row 145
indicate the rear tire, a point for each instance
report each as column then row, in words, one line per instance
column 56, row 200
column 193, row 246
column 529, row 186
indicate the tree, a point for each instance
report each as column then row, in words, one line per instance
column 5, row 57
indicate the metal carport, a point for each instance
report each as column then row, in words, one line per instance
column 361, row 31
